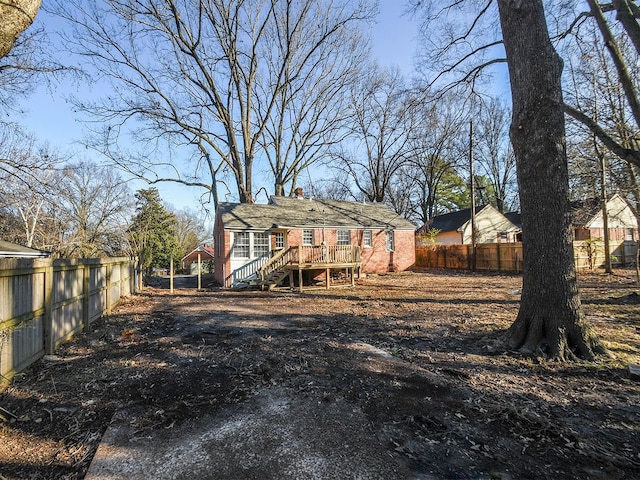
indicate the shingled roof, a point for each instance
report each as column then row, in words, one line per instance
column 453, row 221
column 582, row 211
column 13, row 250
column 287, row 212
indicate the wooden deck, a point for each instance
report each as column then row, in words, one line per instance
column 308, row 258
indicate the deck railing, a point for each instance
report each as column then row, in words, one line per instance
column 325, row 254
column 275, row 263
column 310, row 255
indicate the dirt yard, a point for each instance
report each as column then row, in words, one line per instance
column 457, row 404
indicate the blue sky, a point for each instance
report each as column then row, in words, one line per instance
column 51, row 119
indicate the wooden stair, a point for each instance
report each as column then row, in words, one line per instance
column 273, row 273
column 319, row 257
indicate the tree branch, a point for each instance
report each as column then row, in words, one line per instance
column 628, row 154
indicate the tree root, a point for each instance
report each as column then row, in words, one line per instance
column 561, row 341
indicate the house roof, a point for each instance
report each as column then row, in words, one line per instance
column 585, row 212
column 582, row 211
column 202, row 248
column 452, row 221
column 515, row 218
column 12, row 250
column 287, row 212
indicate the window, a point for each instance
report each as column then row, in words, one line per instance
column 241, row 245
column 307, row 237
column 260, row 245
column 367, row 241
column 279, row 240
column 391, row 242
column 344, row 237
column 628, row 234
column 503, row 237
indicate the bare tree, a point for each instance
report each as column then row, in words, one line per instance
column 439, row 147
column 26, row 206
column 550, row 316
column 378, row 140
column 613, row 26
column 493, row 154
column 310, row 109
column 27, row 60
column 210, row 76
column 190, row 230
column 96, row 204
column 16, row 16
column 22, row 158
column 27, row 172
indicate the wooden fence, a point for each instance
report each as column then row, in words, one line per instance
column 43, row 302
column 507, row 257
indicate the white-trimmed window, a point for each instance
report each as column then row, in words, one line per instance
column 307, row 237
column 344, row 237
column 628, row 234
column 260, row 244
column 241, row 245
column 367, row 239
column 279, row 240
column 391, row 241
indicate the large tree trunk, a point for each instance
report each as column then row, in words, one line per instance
column 550, row 319
column 15, row 17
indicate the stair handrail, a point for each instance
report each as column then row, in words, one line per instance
column 279, row 260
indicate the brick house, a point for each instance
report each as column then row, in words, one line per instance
column 312, row 235
column 202, row 255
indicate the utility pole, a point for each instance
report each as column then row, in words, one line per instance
column 605, row 214
column 474, row 239
column 603, row 195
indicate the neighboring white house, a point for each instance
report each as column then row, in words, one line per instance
column 491, row 227
column 588, row 220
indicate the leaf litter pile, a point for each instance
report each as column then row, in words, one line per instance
column 421, row 354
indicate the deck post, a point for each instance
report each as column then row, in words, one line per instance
column 300, row 277
column 328, row 276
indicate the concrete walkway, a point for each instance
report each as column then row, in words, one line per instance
column 278, row 434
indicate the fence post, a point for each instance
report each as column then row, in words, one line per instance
column 498, row 255
column 47, row 320
column 86, row 271
column 110, row 266
column 199, row 272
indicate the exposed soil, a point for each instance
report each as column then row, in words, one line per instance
column 456, row 403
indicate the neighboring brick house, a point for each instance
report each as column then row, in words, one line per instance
column 203, row 254
column 588, row 223
column 246, row 236
column 455, row 228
